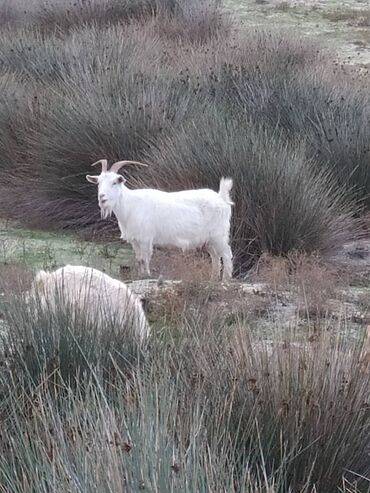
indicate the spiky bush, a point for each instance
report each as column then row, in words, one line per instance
column 63, row 14
column 53, row 59
column 331, row 115
column 65, row 337
column 196, row 20
column 282, row 200
column 215, row 408
column 114, row 89
column 16, row 105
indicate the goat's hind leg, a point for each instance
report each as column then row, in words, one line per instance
column 227, row 260
column 221, row 249
column 146, row 262
column 216, row 265
column 138, row 258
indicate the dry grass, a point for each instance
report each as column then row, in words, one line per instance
column 285, row 404
column 214, row 407
column 14, row 278
column 299, row 283
column 364, row 357
column 306, row 279
column 204, row 299
column 174, row 264
column 353, row 17
column 283, row 7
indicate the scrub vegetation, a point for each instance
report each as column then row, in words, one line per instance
column 242, row 391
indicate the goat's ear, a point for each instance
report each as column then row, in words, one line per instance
column 92, row 179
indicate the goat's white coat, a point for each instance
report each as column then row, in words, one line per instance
column 187, row 219
column 97, row 295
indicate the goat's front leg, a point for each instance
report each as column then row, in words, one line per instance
column 141, row 267
column 122, row 237
column 138, row 258
column 147, row 252
column 143, row 254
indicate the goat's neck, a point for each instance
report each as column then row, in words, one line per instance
column 124, row 206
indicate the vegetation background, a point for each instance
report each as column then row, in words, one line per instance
column 182, row 86
column 210, row 405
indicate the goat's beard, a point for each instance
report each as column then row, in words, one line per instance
column 105, row 212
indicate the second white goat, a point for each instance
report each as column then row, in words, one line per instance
column 187, row 219
column 90, row 292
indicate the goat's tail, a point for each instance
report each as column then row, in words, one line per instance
column 226, row 185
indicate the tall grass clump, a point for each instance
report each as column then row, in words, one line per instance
column 68, row 139
column 195, row 19
column 132, row 87
column 55, row 333
column 283, row 201
column 331, row 115
column 214, row 408
column 63, row 14
column 292, row 85
column 32, row 56
column 14, row 120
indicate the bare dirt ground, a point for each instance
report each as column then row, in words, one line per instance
column 342, row 26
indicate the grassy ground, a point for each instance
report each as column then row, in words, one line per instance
column 343, row 26
column 36, row 249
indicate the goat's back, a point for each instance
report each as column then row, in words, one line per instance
column 185, row 219
column 93, row 293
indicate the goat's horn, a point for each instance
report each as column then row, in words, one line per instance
column 118, row 165
column 104, row 164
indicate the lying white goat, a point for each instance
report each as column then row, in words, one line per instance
column 93, row 293
column 186, row 219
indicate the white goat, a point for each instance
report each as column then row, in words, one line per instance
column 97, row 295
column 186, row 219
